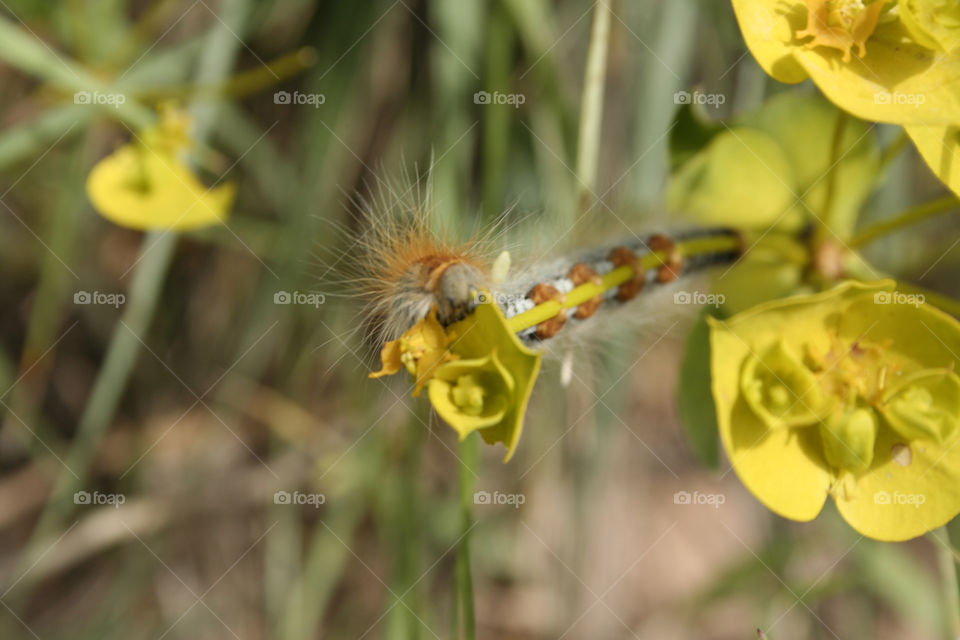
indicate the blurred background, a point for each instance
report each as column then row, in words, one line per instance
column 187, row 453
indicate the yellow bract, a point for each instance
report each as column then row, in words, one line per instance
column 479, row 375
column 146, row 184
column 420, row 351
column 905, row 72
column 850, row 393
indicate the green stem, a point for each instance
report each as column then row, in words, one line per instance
column 912, row 215
column 468, row 457
column 823, row 227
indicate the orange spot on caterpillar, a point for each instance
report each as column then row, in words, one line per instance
column 542, row 293
column 623, row 257
column 673, row 264
column 579, row 274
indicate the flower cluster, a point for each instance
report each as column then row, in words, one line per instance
column 907, row 56
column 478, row 374
column 834, row 394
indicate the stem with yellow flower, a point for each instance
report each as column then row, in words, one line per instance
column 464, row 592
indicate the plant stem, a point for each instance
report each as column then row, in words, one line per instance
column 468, row 457
column 823, row 228
column 905, row 218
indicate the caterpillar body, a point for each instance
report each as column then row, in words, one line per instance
column 410, row 270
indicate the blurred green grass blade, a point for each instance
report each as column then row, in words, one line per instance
column 24, row 51
column 891, row 573
column 496, row 117
column 662, row 75
column 162, row 66
column 694, row 398
column 31, row 139
column 591, row 105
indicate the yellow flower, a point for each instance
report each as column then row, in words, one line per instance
column 146, row 184
column 487, row 390
column 420, row 351
column 480, row 375
column 850, row 393
column 904, row 72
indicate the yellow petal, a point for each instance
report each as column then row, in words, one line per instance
column 389, row 359
column 897, row 501
column 940, row 148
column 485, row 334
column 898, row 80
column 769, row 28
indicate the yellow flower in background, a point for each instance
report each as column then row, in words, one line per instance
column 146, row 184
column 895, row 62
column 851, row 393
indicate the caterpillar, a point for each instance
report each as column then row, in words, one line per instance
column 409, row 268
column 472, row 329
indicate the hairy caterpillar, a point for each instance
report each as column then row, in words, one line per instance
column 409, row 269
